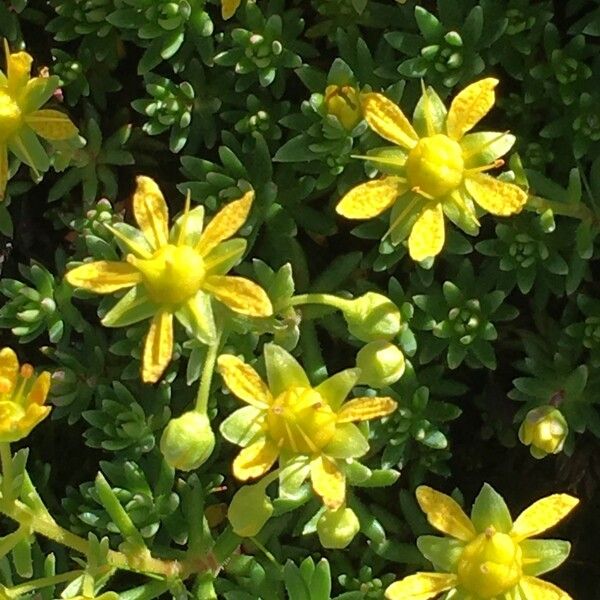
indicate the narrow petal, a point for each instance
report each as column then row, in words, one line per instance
column 244, row 381
column 497, row 197
column 347, row 442
column 328, row 482
column 427, row 235
column 470, row 106
column 421, row 586
column 151, row 212
column 255, row 460
column 444, row 513
column 196, row 315
column 104, row 276
column 51, row 124
column 9, row 368
column 39, row 390
column 370, row 199
column 542, row 515
column 133, row 307
column 385, row 118
column 536, row 589
column 335, row 389
column 18, row 70
column 283, row 370
column 3, row 170
column 240, row 294
column 228, row 8
column 158, row 347
column 364, row 409
column 225, row 223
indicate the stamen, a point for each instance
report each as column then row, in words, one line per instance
column 400, row 217
column 379, row 159
column 26, row 371
column 418, row 190
column 132, row 245
column 496, row 164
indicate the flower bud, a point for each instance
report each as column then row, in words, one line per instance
column 249, row 510
column 372, row 317
column 545, row 430
column 381, row 363
column 343, row 102
column 337, row 528
column 187, row 441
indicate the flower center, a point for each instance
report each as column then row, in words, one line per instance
column 301, row 421
column 490, row 565
column 172, row 275
column 10, row 115
column 435, row 165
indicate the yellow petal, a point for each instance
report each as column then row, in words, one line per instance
column 228, row 8
column 9, row 369
column 444, row 513
column 225, row 223
column 328, row 482
column 3, row 170
column 51, row 124
column 384, row 117
column 363, row 409
column 470, row 106
column 370, row 199
column 158, row 347
column 239, row 294
column 244, row 381
column 18, row 69
column 427, row 234
column 255, row 460
column 542, row 515
column 151, row 212
column 497, row 197
column 104, row 276
column 533, row 588
column 420, row 586
column 39, row 390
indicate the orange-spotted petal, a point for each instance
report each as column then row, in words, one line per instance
column 385, row 118
column 225, row 223
column 151, row 212
column 51, row 124
column 39, row 390
column 370, row 199
column 542, row 515
column 9, row 368
column 497, row 197
column 364, row 409
column 533, row 588
column 470, row 106
column 328, row 482
column 104, row 276
column 427, row 235
column 244, row 381
column 444, row 513
column 255, row 460
column 158, row 347
column 239, row 294
column 421, row 586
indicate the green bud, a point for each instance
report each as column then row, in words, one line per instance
column 337, row 528
column 372, row 317
column 381, row 363
column 250, row 509
column 187, row 441
column 545, row 430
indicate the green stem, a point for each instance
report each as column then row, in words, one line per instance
column 576, row 211
column 207, row 374
column 7, row 471
column 42, row 582
column 311, row 352
column 226, row 545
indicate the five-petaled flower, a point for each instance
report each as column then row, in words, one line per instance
column 21, row 117
column 436, row 168
column 177, row 273
column 488, row 556
column 22, row 397
column 310, row 430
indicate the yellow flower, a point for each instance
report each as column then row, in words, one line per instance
column 21, row 118
column 174, row 274
column 310, row 430
column 436, row 168
column 488, row 556
column 228, row 8
column 22, row 397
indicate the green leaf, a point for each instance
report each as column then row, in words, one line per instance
column 443, row 553
column 336, row 388
column 295, row 150
column 242, row 426
column 429, row 26
column 488, row 509
column 541, row 556
column 133, row 307
column 347, row 442
column 283, row 370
